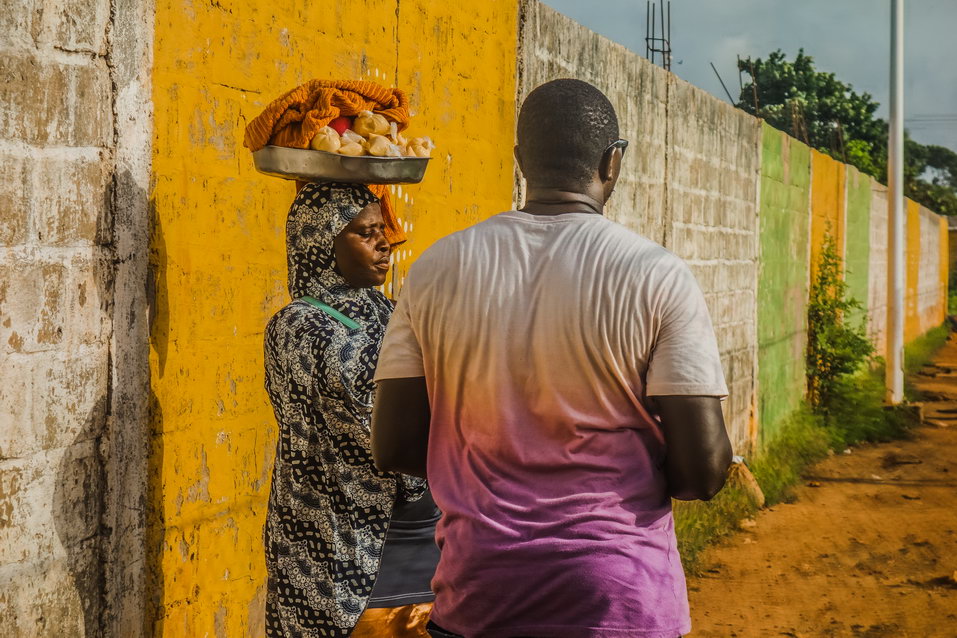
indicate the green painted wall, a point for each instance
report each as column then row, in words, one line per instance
column 858, row 252
column 784, row 219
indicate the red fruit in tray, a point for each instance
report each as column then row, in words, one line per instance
column 340, row 124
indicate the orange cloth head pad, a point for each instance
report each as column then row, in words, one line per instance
column 293, row 119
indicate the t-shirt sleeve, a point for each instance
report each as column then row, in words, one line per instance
column 401, row 354
column 685, row 359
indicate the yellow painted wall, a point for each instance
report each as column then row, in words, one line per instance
column 912, row 272
column 217, row 248
column 944, row 267
column 827, row 204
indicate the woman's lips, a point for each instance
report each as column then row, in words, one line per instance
column 382, row 265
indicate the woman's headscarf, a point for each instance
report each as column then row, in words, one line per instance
column 317, row 216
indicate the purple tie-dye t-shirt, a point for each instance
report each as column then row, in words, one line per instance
column 541, row 339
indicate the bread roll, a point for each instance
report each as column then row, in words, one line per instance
column 352, row 148
column 368, row 123
column 420, row 147
column 326, row 140
column 381, row 147
column 353, row 137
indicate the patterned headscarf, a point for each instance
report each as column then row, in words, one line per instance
column 317, row 216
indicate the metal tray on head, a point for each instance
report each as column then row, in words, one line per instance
column 319, row 166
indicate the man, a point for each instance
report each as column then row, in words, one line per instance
column 560, row 376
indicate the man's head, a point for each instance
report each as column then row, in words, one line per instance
column 565, row 128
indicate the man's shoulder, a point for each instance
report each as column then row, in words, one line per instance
column 641, row 251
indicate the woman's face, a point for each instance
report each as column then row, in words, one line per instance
column 362, row 252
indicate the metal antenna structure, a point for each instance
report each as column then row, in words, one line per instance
column 658, row 32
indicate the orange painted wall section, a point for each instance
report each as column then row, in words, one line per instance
column 912, row 271
column 218, row 246
column 944, row 267
column 827, row 204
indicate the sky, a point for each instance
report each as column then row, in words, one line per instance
column 850, row 38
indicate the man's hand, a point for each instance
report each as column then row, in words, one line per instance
column 400, row 426
column 698, row 449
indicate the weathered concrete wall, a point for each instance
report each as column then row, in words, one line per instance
column 877, row 266
column 783, row 278
column 72, row 349
column 946, row 266
column 857, row 242
column 688, row 182
column 218, row 249
column 931, row 283
column 911, row 270
column 711, row 182
column 827, row 205
column 552, row 46
column 951, row 223
column 926, row 269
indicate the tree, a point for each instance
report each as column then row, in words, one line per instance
column 827, row 114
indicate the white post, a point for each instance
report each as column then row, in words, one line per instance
column 895, row 213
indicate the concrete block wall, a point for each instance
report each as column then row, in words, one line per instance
column 712, row 160
column 857, row 245
column 877, row 264
column 56, row 141
column 689, row 180
column 931, row 285
column 783, row 278
column 551, row 46
column 828, row 206
column 70, row 246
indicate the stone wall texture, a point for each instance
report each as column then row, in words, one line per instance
column 72, row 322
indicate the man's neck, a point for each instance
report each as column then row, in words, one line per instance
column 553, row 201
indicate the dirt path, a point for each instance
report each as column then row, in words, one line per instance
column 868, row 549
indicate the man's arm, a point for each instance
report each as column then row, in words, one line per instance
column 698, row 449
column 400, row 425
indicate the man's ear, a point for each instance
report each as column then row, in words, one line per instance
column 610, row 167
column 518, row 158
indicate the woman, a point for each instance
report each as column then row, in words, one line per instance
column 329, row 508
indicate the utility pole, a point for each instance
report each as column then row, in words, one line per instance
column 895, row 213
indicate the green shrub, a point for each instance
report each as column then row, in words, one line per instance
column 835, row 348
